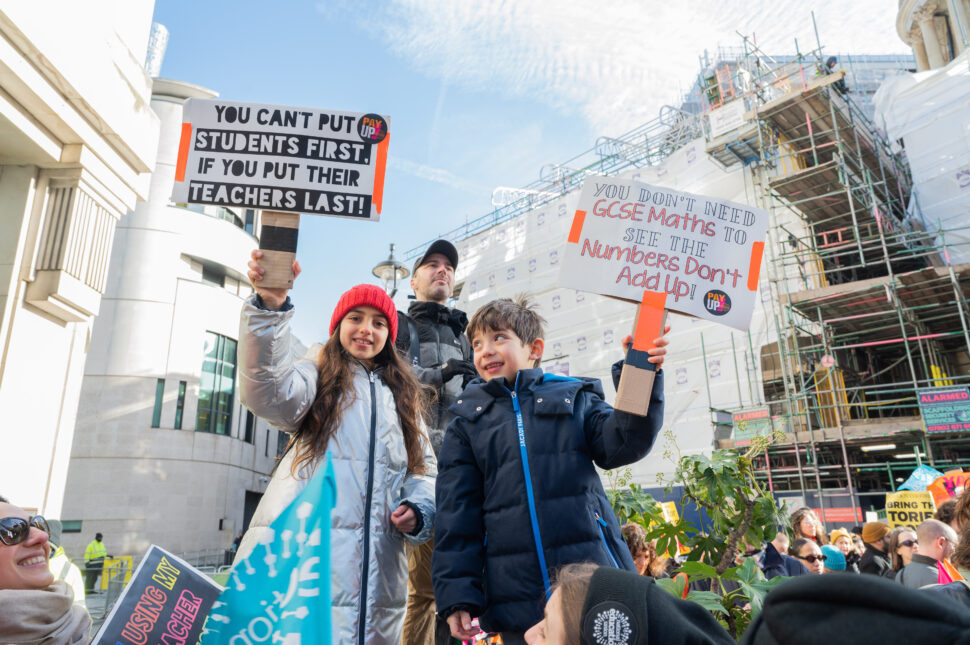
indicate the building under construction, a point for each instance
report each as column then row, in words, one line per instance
column 869, row 298
column 863, row 303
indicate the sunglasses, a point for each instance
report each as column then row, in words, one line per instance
column 909, row 543
column 813, row 558
column 14, row 530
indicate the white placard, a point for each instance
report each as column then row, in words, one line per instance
column 628, row 237
column 726, row 118
column 301, row 160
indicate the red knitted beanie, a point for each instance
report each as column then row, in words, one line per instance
column 366, row 295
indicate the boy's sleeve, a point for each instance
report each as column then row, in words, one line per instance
column 617, row 438
column 418, row 492
column 458, row 562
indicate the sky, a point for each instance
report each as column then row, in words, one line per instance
column 481, row 93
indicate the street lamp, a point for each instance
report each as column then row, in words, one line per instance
column 390, row 271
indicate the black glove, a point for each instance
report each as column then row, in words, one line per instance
column 454, row 367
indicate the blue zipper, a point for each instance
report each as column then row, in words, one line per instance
column 537, row 538
column 606, row 545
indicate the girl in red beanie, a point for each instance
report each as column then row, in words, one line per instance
column 357, row 400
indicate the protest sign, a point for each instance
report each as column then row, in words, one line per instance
column 909, row 508
column 951, row 484
column 672, row 516
column 280, row 591
column 667, row 250
column 285, row 161
column 704, row 253
column 297, row 160
column 166, row 601
column 945, row 409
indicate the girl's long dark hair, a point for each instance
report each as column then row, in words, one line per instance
column 335, row 394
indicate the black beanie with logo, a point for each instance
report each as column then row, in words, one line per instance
column 623, row 608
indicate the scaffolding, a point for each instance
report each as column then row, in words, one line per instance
column 868, row 307
column 865, row 303
column 646, row 145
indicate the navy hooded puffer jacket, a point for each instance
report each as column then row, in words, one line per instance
column 504, row 488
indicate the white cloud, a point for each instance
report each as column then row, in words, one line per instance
column 613, row 61
column 436, row 175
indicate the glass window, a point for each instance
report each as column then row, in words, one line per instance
column 71, row 526
column 159, row 395
column 230, row 216
column 250, row 435
column 212, row 276
column 282, row 439
column 217, row 385
column 250, row 221
column 179, row 406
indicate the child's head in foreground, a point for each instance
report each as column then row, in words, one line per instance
column 506, row 336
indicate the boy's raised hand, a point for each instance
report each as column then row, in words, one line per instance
column 461, row 627
column 657, row 353
column 272, row 298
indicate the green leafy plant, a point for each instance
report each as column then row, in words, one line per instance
column 741, row 512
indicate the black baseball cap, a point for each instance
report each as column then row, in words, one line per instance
column 445, row 248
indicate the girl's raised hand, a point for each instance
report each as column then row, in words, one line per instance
column 404, row 519
column 657, row 353
column 272, row 298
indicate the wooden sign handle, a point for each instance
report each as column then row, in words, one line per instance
column 636, row 379
column 277, row 241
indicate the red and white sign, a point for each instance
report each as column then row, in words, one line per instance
column 628, row 237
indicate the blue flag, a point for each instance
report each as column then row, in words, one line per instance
column 280, row 592
column 920, row 478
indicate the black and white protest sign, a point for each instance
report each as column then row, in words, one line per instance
column 290, row 159
column 166, row 601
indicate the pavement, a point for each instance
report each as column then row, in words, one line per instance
column 95, row 605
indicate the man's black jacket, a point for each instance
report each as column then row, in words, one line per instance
column 874, row 562
column 440, row 335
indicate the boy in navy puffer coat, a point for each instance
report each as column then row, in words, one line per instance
column 517, row 493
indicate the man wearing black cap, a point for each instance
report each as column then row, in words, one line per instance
column 432, row 339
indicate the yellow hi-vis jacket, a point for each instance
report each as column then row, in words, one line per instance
column 94, row 551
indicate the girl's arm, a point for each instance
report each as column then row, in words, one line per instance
column 418, row 494
column 271, row 383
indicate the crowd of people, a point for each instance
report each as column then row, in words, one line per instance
column 937, row 551
column 469, row 506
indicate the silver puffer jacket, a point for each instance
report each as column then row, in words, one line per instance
column 370, row 464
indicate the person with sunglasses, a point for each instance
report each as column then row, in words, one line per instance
column 34, row 608
column 936, row 542
column 902, row 546
column 809, row 553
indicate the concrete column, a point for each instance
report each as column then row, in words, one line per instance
column 959, row 24
column 915, row 41
column 934, row 52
